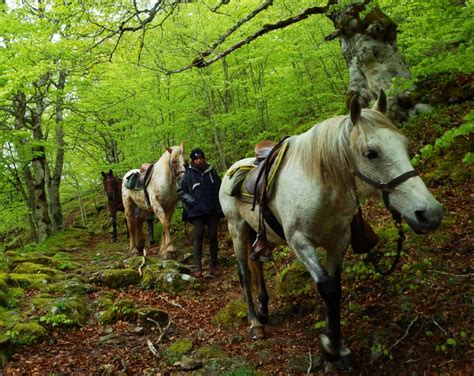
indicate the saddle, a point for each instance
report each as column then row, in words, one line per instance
column 265, row 156
column 140, row 179
column 267, row 153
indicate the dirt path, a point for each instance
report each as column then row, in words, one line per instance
column 416, row 322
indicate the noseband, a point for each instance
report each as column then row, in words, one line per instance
column 173, row 172
column 386, row 189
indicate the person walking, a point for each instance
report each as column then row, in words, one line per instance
column 199, row 192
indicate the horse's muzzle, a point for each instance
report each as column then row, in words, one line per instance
column 425, row 220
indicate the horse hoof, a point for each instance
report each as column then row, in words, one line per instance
column 257, row 332
column 263, row 318
column 343, row 363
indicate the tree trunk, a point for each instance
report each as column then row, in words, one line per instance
column 39, row 166
column 369, row 46
column 55, row 181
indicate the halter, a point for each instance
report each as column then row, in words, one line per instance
column 386, row 189
column 173, row 172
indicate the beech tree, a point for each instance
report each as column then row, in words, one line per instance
column 368, row 39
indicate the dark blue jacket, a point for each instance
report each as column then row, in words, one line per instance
column 199, row 192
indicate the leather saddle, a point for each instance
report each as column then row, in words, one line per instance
column 262, row 152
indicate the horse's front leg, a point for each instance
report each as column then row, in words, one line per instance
column 329, row 287
column 167, row 249
column 114, row 226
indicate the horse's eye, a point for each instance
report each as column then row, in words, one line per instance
column 371, row 154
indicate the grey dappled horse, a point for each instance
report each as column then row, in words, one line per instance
column 314, row 198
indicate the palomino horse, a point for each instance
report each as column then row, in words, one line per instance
column 159, row 196
column 314, row 198
column 113, row 189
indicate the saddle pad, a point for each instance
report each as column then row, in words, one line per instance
column 239, row 175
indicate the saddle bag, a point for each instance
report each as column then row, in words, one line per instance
column 132, row 180
column 363, row 238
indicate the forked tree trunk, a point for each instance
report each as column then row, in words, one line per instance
column 369, row 46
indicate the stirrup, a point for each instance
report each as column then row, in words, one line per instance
column 261, row 250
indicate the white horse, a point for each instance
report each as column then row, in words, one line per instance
column 314, row 198
column 162, row 200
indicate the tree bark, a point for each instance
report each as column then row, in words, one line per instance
column 55, row 180
column 369, row 46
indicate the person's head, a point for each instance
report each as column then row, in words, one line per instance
column 198, row 158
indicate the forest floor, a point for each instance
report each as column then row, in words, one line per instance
column 419, row 321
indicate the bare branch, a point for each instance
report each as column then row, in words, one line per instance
column 199, row 61
column 223, row 2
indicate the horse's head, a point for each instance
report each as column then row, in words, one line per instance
column 177, row 162
column 382, row 165
column 110, row 182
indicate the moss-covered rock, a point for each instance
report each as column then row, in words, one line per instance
column 62, row 311
column 3, row 292
column 27, row 281
column 15, row 258
column 72, row 285
column 295, row 280
column 168, row 276
column 32, row 268
column 233, row 313
column 117, row 278
column 124, row 309
column 177, row 349
column 209, row 352
column 28, row 333
column 106, row 299
column 112, row 311
column 150, row 316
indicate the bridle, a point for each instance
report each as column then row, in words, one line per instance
column 175, row 174
column 386, row 189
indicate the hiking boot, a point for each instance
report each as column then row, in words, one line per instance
column 216, row 271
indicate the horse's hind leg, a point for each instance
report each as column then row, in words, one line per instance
column 239, row 231
column 256, row 271
column 151, row 233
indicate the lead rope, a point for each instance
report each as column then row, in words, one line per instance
column 397, row 219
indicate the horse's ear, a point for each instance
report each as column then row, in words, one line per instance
column 169, row 149
column 355, row 109
column 103, row 173
column 182, row 146
column 381, row 102
column 111, row 172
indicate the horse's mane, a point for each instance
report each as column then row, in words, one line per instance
column 324, row 151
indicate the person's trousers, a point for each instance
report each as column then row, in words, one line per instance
column 199, row 223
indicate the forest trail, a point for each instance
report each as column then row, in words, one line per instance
column 418, row 321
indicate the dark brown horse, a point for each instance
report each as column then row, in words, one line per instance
column 113, row 188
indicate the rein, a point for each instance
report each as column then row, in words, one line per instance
column 386, row 188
